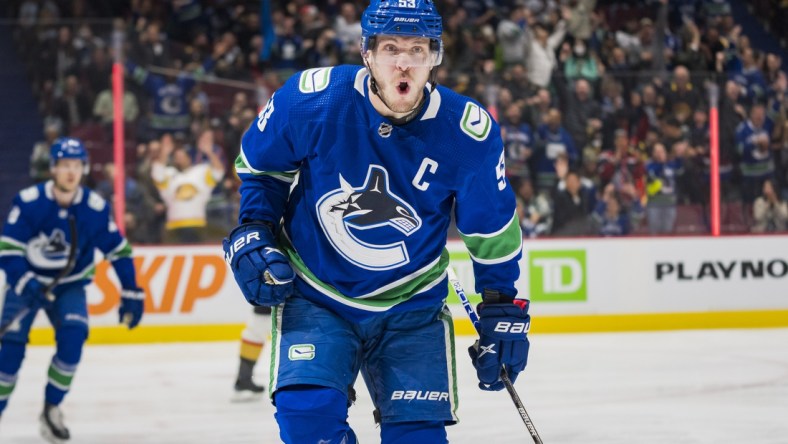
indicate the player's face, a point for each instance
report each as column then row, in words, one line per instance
column 401, row 66
column 67, row 174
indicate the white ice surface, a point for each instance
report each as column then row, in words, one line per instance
column 716, row 386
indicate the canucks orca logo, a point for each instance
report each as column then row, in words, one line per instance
column 48, row 252
column 347, row 211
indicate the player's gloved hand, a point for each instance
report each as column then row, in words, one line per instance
column 132, row 305
column 34, row 295
column 261, row 270
column 503, row 339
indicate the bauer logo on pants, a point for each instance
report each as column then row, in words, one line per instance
column 558, row 275
column 301, row 352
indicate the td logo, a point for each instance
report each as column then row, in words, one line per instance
column 557, row 275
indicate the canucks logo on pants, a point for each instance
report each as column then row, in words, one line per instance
column 346, row 210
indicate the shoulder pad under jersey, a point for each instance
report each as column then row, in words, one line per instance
column 29, row 194
column 96, row 202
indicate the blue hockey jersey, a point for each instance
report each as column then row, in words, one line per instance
column 36, row 238
column 366, row 205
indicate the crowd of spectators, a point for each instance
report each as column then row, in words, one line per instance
column 603, row 106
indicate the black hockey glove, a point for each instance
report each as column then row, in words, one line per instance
column 503, row 339
column 260, row 269
column 33, row 294
column 132, row 305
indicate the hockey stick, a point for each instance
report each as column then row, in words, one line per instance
column 71, row 261
column 455, row 283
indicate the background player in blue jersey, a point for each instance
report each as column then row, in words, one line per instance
column 34, row 247
column 349, row 180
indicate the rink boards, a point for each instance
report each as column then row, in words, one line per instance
column 576, row 285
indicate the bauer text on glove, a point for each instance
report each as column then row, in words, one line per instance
column 503, row 340
column 262, row 272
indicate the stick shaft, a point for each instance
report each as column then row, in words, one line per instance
column 518, row 403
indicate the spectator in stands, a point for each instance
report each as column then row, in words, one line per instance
column 97, row 74
column 716, row 9
column 637, row 120
column 64, row 55
column 325, row 51
column 753, row 138
column 348, row 29
column 579, row 63
column 731, row 114
column 587, row 185
column 613, row 110
column 512, row 37
column 571, row 208
column 288, row 47
column 537, row 108
column 85, row 43
column 199, row 120
column 609, row 218
column 579, row 24
column 40, row 157
column 74, row 106
column 152, row 222
column 457, row 35
column 623, row 168
column 186, row 188
column 151, row 47
column 778, row 109
column 690, row 54
column 541, row 52
column 104, row 108
column 207, row 137
column 619, row 69
column 232, row 63
column 518, row 143
column 636, row 39
column 682, row 96
column 533, row 210
column 772, row 68
column 583, row 115
column 235, row 126
column 170, row 94
column 770, row 211
column 553, row 140
column 696, row 160
column 661, row 189
column 515, row 79
column 653, row 105
column 136, row 207
column 312, row 21
column 750, row 78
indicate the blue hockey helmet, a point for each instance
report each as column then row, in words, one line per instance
column 68, row 148
column 410, row 18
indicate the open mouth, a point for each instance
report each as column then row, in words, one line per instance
column 403, row 87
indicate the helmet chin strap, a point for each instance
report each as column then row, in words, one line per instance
column 373, row 87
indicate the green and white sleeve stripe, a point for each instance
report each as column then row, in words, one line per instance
column 242, row 166
column 122, row 250
column 497, row 247
column 11, row 247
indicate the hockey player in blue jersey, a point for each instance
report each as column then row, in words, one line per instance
column 34, row 247
column 349, row 180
